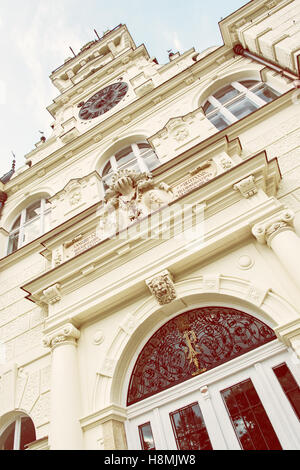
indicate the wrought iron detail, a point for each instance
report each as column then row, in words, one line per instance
column 192, row 343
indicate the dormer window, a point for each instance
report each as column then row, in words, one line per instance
column 30, row 224
column 138, row 156
column 237, row 100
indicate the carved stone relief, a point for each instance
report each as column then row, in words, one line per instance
column 162, row 287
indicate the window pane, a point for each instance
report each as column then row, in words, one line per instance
column 31, row 231
column 189, row 429
column 107, row 169
column 9, row 437
column 27, row 432
column 249, row 83
column 249, row 419
column 226, row 94
column 289, row 386
column 266, row 93
column 242, row 108
column 151, row 160
column 123, row 156
column 219, row 121
column 16, row 224
column 146, row 436
column 13, row 243
column 144, row 147
column 33, row 211
column 207, row 107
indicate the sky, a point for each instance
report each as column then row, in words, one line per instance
column 36, row 36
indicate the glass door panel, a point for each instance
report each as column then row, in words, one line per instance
column 249, row 418
column 189, row 428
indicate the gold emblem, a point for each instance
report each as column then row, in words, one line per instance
column 193, row 350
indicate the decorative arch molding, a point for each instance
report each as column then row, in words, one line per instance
column 133, row 333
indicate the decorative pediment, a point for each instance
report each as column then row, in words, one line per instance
column 77, row 195
column 180, row 133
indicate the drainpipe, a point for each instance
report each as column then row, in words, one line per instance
column 239, row 50
column 3, row 197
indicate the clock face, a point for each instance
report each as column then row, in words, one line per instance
column 103, row 101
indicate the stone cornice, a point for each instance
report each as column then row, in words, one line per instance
column 248, row 13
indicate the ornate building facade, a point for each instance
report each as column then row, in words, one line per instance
column 149, row 271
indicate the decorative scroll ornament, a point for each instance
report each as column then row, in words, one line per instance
column 67, row 333
column 192, row 343
column 162, row 287
column 265, row 231
column 247, row 187
column 52, row 294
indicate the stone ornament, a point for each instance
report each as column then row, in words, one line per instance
column 162, row 287
column 247, row 187
column 67, row 333
column 52, row 294
column 130, row 197
column 264, row 232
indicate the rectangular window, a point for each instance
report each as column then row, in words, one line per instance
column 249, row 419
column 289, row 386
column 146, row 437
column 189, row 428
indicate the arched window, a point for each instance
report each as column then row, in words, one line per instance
column 138, row 156
column 191, row 344
column 237, row 100
column 30, row 224
column 18, row 433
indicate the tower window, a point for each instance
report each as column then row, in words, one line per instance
column 30, row 224
column 237, row 100
column 138, row 156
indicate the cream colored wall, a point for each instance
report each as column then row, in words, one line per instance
column 25, row 379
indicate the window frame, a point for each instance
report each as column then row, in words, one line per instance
column 17, row 433
column 222, row 110
column 20, row 230
column 139, row 159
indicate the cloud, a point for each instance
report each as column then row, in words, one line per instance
column 42, row 44
column 177, row 43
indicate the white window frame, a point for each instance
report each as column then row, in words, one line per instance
column 244, row 92
column 139, row 159
column 23, row 224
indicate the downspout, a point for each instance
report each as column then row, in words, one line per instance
column 3, row 198
column 239, row 50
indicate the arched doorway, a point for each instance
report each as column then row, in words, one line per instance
column 213, row 378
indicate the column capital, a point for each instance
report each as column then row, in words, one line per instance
column 290, row 335
column 66, row 334
column 265, row 231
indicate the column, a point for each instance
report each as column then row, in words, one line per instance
column 278, row 232
column 114, row 436
column 65, row 430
